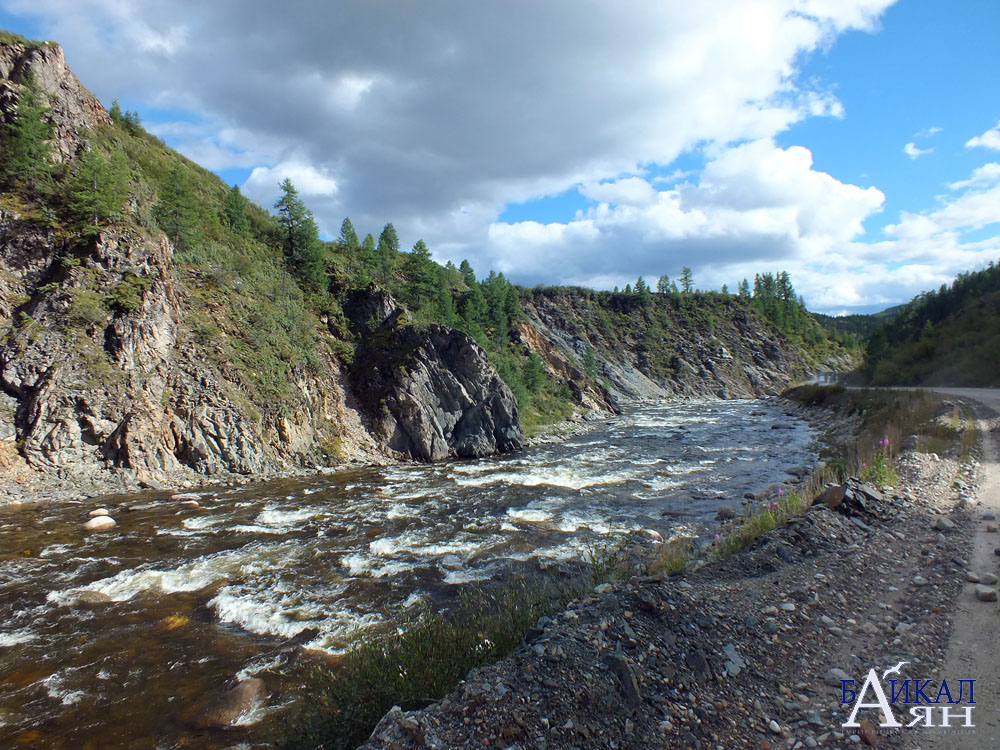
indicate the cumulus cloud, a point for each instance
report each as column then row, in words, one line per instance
column 754, row 204
column 911, row 150
column 989, row 139
column 441, row 107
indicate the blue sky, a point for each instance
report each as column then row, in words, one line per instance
column 850, row 142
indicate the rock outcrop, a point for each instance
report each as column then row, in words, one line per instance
column 72, row 108
column 431, row 391
column 716, row 348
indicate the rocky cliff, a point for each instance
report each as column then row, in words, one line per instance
column 689, row 345
column 432, row 393
column 128, row 360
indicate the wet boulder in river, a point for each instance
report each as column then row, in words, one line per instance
column 227, row 708
column 99, row 523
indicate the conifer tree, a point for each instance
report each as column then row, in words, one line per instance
column 348, row 239
column 301, row 236
column 368, row 252
column 27, row 150
column 235, row 212
column 687, row 283
column 100, row 187
column 421, row 276
column 177, row 210
column 388, row 247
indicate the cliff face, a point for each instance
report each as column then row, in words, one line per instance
column 73, row 109
column 432, row 392
column 693, row 345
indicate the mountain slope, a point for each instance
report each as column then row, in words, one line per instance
column 947, row 337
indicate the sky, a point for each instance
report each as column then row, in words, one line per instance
column 853, row 143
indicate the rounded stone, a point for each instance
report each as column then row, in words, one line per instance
column 99, row 523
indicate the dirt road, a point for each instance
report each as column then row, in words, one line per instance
column 974, row 648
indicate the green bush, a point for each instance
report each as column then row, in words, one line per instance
column 415, row 663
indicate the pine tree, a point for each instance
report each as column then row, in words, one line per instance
column 446, row 305
column 348, row 240
column 421, row 276
column 465, row 268
column 27, row 151
column 301, row 236
column 687, row 284
column 368, row 253
column 663, row 285
column 388, row 247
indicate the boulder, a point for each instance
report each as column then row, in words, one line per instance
column 98, row 512
column 986, row 593
column 99, row 523
column 944, row 524
column 832, row 497
column 225, row 709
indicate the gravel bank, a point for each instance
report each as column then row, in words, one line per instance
column 740, row 652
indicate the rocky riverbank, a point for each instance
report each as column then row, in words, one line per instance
column 743, row 652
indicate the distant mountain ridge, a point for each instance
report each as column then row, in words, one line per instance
column 859, row 327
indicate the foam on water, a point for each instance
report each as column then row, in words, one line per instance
column 55, row 549
column 201, row 522
column 364, row 565
column 54, row 686
column 465, row 575
column 256, row 614
column 256, row 529
column 191, row 576
column 271, row 516
column 528, row 515
column 572, row 479
column 16, row 637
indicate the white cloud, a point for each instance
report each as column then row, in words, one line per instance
column 439, row 114
column 989, row 139
column 984, row 175
column 911, row 150
column 262, row 184
column 440, row 105
column 754, row 204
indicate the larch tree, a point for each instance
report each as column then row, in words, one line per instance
column 300, row 240
column 27, row 147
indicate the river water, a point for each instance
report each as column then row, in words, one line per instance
column 113, row 638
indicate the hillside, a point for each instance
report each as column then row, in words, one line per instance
column 159, row 327
column 852, row 329
column 945, row 337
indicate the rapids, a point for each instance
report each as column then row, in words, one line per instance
column 109, row 639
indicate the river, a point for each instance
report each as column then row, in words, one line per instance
column 110, row 639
